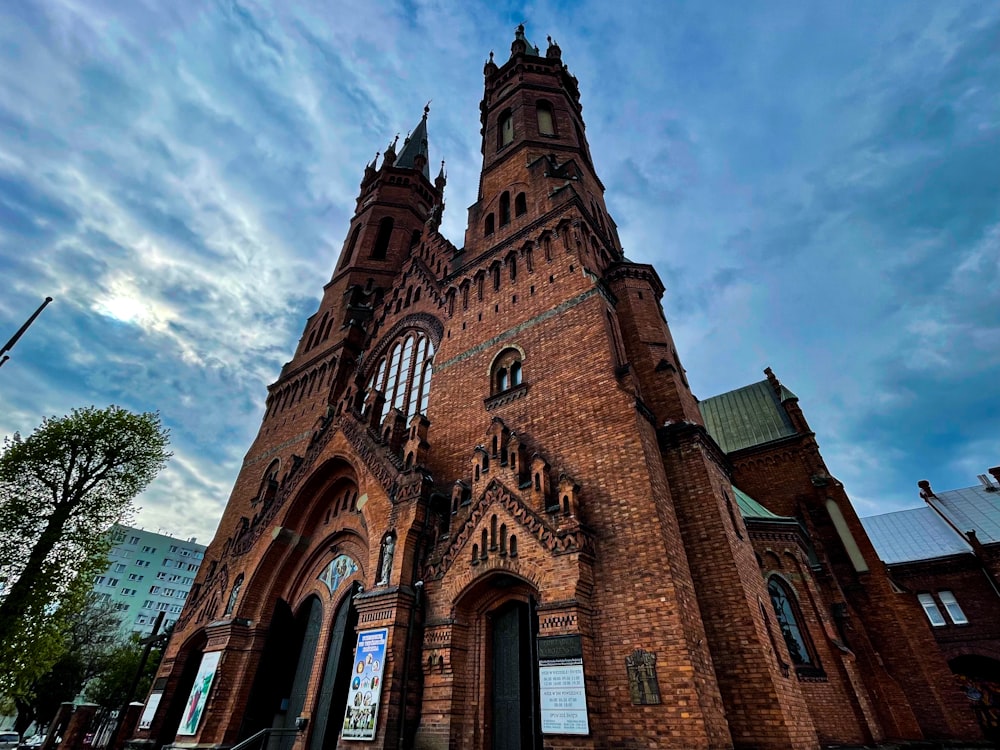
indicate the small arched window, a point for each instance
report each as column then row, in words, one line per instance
column 505, row 208
column 515, row 373
column 490, row 228
column 786, row 610
column 506, row 371
column 505, row 128
column 382, row 239
column 520, row 205
column 546, row 123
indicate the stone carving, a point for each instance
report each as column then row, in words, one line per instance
column 643, row 687
column 388, row 550
column 368, row 450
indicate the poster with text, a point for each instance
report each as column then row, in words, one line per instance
column 146, row 721
column 199, row 693
column 366, row 685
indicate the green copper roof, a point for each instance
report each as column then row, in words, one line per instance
column 750, row 508
column 748, row 416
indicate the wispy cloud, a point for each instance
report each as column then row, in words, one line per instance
column 815, row 183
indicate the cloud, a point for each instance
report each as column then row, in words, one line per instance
column 814, row 184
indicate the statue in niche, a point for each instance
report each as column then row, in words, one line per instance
column 643, row 687
column 234, row 595
column 388, row 549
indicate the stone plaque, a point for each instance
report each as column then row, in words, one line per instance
column 643, row 686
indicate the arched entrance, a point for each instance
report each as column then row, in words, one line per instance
column 979, row 677
column 514, row 690
column 498, row 617
column 337, row 672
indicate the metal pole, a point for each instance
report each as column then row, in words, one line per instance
column 20, row 331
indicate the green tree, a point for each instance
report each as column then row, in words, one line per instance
column 88, row 648
column 112, row 687
column 61, row 488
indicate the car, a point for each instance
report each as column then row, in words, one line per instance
column 9, row 740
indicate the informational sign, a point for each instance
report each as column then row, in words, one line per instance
column 199, row 693
column 560, row 681
column 146, row 720
column 563, row 697
column 366, row 685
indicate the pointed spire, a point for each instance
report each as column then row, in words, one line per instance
column 370, row 169
column 390, row 153
column 442, row 179
column 553, row 51
column 414, row 154
column 521, row 45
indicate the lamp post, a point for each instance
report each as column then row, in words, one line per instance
column 20, row 331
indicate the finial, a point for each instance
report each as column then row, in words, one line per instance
column 549, row 38
column 427, row 108
column 491, row 55
column 395, row 141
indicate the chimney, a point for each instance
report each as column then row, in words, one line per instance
column 925, row 489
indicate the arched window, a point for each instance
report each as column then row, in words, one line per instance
column 268, row 484
column 520, row 205
column 404, row 375
column 349, row 250
column 515, row 374
column 786, row 610
column 505, row 128
column 506, row 371
column 382, row 239
column 489, row 229
column 546, row 123
column 505, row 208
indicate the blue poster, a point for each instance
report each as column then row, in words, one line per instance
column 366, row 685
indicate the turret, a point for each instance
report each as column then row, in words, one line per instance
column 534, row 148
column 394, row 202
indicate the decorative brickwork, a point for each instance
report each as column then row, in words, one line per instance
column 536, row 470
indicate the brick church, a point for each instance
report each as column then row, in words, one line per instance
column 485, row 510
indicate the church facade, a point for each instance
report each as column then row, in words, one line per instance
column 485, row 510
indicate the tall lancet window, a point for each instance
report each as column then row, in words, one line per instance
column 545, row 121
column 403, row 375
column 506, row 124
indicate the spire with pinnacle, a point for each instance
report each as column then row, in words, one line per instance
column 414, row 154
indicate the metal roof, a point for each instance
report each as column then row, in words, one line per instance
column 750, row 508
column 911, row 535
column 748, row 416
column 415, row 144
column 971, row 509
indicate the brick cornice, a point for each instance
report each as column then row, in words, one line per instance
column 674, row 434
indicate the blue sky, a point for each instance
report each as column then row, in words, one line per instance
column 818, row 185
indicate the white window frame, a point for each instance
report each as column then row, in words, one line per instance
column 952, row 608
column 932, row 610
